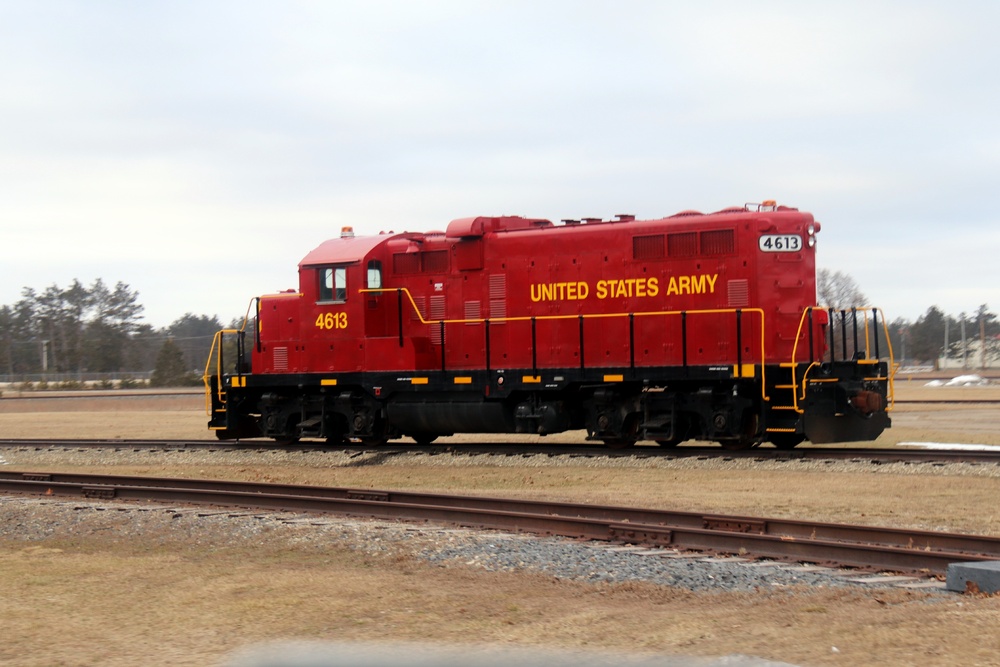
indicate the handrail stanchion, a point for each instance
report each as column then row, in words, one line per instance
column 441, row 329
column 854, row 322
column 684, row 340
column 831, row 323
column 739, row 342
column 631, row 341
column 486, row 326
column 399, row 313
column 534, row 349
column 812, row 342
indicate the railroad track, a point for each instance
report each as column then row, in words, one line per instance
column 873, row 455
column 864, row 547
column 71, row 396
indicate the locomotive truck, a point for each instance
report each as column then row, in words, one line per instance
column 689, row 327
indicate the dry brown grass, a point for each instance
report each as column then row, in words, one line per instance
column 106, row 602
column 102, row 599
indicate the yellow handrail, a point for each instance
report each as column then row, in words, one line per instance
column 528, row 318
column 207, row 376
column 799, row 391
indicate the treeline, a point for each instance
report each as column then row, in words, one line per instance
column 972, row 338
column 96, row 330
column 86, row 331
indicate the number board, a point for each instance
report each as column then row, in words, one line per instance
column 780, row 243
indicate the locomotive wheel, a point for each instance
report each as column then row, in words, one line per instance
column 629, row 434
column 749, row 437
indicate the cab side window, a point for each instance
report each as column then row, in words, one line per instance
column 333, row 283
column 374, row 274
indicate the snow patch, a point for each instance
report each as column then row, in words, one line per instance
column 960, row 381
column 966, row 381
column 950, row 445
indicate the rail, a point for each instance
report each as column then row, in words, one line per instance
column 869, row 547
column 569, row 449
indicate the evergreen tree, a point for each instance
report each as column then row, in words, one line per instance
column 193, row 334
column 170, row 369
column 925, row 339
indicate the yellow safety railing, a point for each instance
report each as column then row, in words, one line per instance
column 585, row 316
column 799, row 389
column 799, row 385
column 215, row 353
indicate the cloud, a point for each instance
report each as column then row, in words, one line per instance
column 176, row 146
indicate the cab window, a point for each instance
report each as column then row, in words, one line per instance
column 374, row 274
column 333, row 283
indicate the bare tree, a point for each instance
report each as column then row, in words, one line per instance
column 838, row 290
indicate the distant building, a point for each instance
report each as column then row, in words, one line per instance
column 973, row 358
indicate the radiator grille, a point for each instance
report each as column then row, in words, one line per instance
column 739, row 293
column 473, row 311
column 437, row 313
column 648, row 247
column 498, row 296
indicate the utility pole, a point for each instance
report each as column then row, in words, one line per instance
column 965, row 348
column 982, row 341
column 947, row 324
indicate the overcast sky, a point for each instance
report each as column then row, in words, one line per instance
column 198, row 150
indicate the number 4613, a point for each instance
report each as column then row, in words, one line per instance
column 332, row 321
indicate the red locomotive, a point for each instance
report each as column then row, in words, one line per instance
column 695, row 326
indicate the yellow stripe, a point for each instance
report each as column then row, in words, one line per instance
column 614, row 378
column 748, row 371
column 463, row 380
column 328, row 383
column 418, row 380
column 238, row 382
column 531, row 379
column 283, row 295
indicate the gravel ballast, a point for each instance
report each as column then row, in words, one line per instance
column 36, row 520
